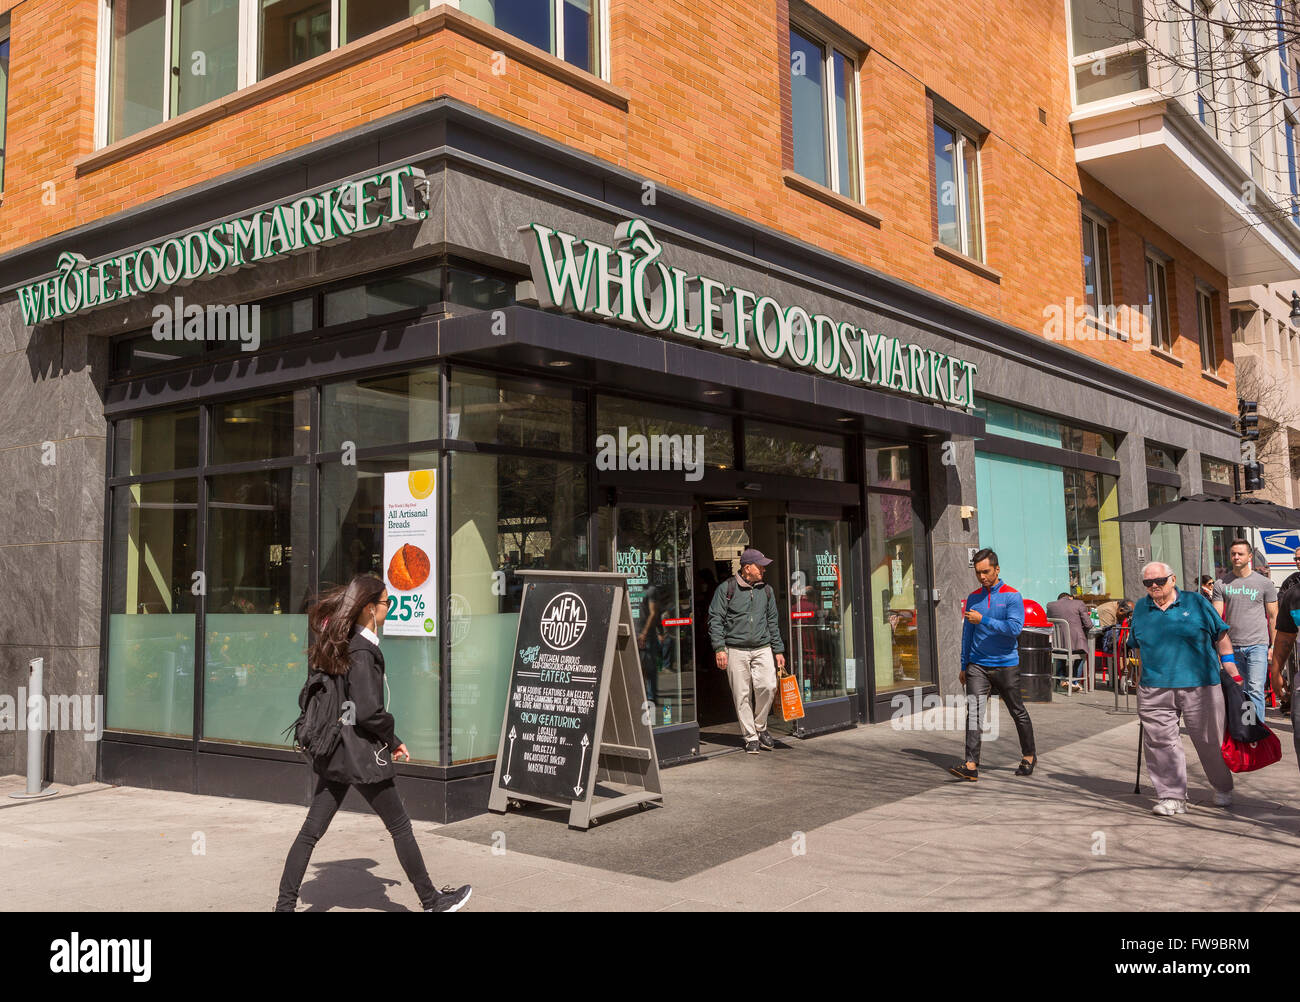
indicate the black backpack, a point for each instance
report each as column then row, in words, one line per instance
column 319, row 727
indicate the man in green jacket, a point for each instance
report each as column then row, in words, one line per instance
column 744, row 631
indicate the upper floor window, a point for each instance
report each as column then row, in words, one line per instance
column 823, row 113
column 567, row 29
column 166, row 57
column 1203, row 40
column 162, row 58
column 4, row 93
column 1096, row 265
column 1107, row 51
column 1158, row 302
column 1205, row 329
column 957, row 190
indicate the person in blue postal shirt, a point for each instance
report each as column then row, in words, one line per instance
column 1183, row 641
column 990, row 661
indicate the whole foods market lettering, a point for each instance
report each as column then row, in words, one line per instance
column 630, row 284
column 354, row 208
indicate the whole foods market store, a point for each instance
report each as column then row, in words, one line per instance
column 417, row 417
column 490, row 426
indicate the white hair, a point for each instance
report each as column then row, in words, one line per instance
column 1165, row 569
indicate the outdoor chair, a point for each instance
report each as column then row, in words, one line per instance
column 1063, row 650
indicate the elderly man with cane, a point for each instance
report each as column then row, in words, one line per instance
column 1183, row 641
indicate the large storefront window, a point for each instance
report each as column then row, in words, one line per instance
column 654, row 550
column 794, row 452
column 351, row 543
column 258, row 587
column 821, row 621
column 1166, row 538
column 508, row 513
column 151, row 605
column 1044, row 429
column 485, row 408
column 622, row 419
column 380, row 410
column 1048, row 526
column 1092, row 542
column 891, row 581
column 155, row 443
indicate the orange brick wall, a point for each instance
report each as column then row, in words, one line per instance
column 705, row 117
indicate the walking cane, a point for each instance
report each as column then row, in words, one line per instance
column 1137, row 780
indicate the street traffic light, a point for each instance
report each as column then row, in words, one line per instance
column 1248, row 419
column 1254, row 477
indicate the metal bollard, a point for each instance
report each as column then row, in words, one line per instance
column 36, row 733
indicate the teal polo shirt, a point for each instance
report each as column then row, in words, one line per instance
column 1177, row 644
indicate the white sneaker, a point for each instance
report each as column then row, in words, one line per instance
column 1166, row 808
column 1223, row 799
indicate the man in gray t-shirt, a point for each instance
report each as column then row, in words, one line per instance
column 1247, row 600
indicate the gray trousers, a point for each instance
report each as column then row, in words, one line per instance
column 1202, row 712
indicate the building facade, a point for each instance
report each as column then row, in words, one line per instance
column 586, row 286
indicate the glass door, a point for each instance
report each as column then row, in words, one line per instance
column 820, row 649
column 652, row 545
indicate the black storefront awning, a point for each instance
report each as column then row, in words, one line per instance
column 618, row 359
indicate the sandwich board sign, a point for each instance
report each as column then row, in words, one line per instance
column 576, row 733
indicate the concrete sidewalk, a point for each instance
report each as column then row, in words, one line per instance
column 1071, row 837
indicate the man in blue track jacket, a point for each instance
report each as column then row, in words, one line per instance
column 990, row 661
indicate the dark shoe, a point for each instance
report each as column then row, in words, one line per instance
column 1026, row 767
column 452, row 899
column 751, row 747
column 961, row 772
column 765, row 741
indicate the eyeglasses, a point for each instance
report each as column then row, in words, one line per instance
column 1154, row 582
column 385, row 602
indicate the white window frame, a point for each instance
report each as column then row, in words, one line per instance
column 1160, row 322
column 600, row 9
column 829, row 46
column 963, row 137
column 1116, row 51
column 1205, row 328
column 1100, row 229
column 248, row 47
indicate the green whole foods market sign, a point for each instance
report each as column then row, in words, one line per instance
column 354, row 208
column 630, row 284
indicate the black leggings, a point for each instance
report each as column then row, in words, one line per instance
column 387, row 803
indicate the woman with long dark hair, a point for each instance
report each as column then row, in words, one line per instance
column 345, row 623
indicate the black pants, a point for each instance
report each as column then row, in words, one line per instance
column 1006, row 683
column 387, row 803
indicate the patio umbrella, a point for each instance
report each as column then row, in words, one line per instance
column 1203, row 510
column 1208, row 509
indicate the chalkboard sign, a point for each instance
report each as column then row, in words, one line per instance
column 576, row 716
column 550, row 722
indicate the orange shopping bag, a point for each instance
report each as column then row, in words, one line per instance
column 791, row 699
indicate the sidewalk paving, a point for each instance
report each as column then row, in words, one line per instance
column 1071, row 837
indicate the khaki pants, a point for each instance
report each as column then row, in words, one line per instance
column 752, row 672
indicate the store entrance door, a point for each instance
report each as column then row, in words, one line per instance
column 652, row 546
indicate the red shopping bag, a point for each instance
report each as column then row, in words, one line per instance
column 791, row 698
column 1247, row 756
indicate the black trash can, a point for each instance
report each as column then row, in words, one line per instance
column 1036, row 664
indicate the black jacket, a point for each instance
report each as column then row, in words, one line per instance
column 365, row 754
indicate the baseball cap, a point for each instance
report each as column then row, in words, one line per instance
column 753, row 556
